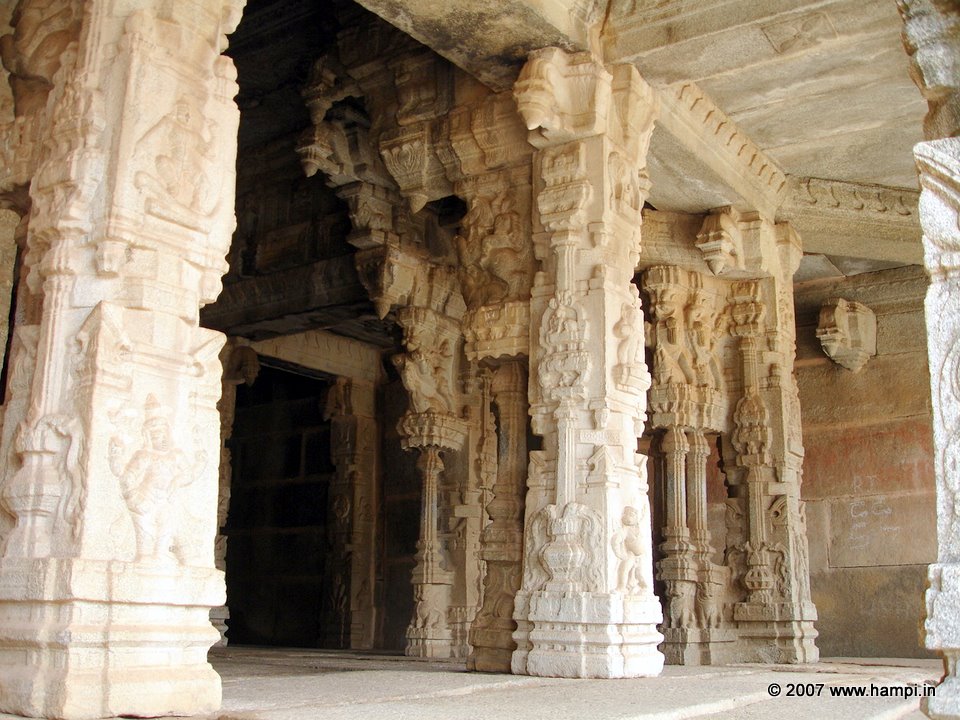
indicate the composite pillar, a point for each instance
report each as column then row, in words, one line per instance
column 587, row 520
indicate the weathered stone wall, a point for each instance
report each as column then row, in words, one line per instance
column 868, row 472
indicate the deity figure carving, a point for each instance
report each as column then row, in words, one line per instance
column 424, row 377
column 702, row 337
column 671, row 366
column 150, row 482
column 182, row 146
column 629, row 330
column 632, row 551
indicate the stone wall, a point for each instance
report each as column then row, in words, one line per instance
column 868, row 473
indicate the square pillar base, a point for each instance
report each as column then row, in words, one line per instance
column 591, row 635
column 89, row 639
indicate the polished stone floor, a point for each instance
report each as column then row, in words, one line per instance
column 296, row 684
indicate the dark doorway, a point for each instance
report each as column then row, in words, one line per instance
column 277, row 539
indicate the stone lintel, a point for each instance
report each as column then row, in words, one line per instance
column 326, row 352
column 695, row 139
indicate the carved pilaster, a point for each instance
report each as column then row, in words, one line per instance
column 491, row 635
column 688, row 399
column 586, row 607
column 112, row 473
column 240, row 366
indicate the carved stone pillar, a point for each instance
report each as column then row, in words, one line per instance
column 240, row 366
column 932, row 38
column 687, row 400
column 111, row 473
column 491, row 635
column 586, row 606
column 776, row 615
column 350, row 609
column 431, row 426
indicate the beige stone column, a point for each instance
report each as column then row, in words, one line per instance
column 587, row 518
column 107, row 577
column 431, row 426
column 932, row 39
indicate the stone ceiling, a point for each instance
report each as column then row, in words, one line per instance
column 820, row 87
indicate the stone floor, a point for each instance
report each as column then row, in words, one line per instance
column 293, row 684
column 300, row 684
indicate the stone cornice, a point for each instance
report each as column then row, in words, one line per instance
column 851, row 219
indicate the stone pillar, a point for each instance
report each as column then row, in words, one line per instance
column 775, row 619
column 932, row 39
column 108, row 576
column 351, row 608
column 240, row 366
column 431, row 426
column 687, row 399
column 491, row 634
column 586, row 607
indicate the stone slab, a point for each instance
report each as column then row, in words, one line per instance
column 863, row 610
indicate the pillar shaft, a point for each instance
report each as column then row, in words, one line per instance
column 111, row 473
column 586, row 606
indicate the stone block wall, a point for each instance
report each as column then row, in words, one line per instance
column 868, row 478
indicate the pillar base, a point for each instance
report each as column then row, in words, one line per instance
column 429, row 643
column 89, row 639
column 778, row 633
column 695, row 646
column 493, row 646
column 589, row 635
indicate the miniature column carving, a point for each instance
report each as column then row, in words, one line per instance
column 586, row 606
column 111, row 474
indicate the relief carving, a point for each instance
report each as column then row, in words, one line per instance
column 495, row 253
column 632, row 551
column 151, row 481
column 178, row 166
